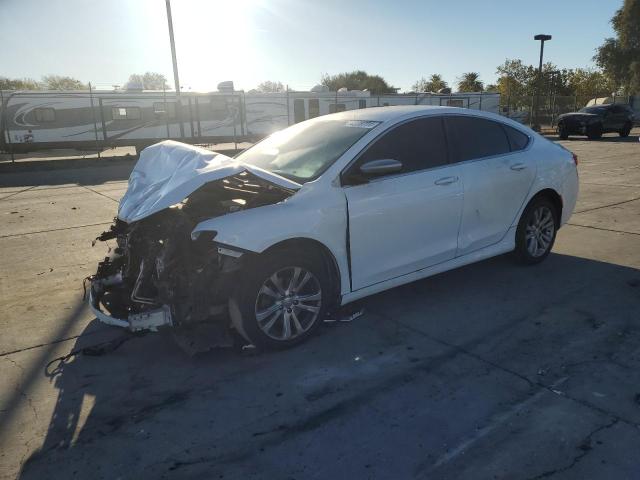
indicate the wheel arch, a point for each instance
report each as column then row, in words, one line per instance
column 322, row 253
column 553, row 196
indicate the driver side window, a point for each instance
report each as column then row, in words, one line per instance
column 419, row 144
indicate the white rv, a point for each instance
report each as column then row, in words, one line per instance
column 33, row 120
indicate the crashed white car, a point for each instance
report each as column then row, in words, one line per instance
column 324, row 213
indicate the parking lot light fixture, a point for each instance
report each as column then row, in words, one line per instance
column 543, row 38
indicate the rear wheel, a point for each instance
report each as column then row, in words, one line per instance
column 536, row 231
column 626, row 130
column 282, row 300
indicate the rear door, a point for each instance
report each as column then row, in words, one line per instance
column 408, row 220
column 497, row 174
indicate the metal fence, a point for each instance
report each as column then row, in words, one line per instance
column 522, row 108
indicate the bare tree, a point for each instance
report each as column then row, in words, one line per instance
column 269, row 86
column 147, row 81
column 58, row 82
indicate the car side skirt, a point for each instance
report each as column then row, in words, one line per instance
column 507, row 244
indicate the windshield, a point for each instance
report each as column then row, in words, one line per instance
column 598, row 110
column 302, row 152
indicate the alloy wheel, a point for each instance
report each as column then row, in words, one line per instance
column 288, row 303
column 539, row 231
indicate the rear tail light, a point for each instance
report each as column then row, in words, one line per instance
column 575, row 158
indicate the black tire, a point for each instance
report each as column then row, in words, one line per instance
column 562, row 132
column 523, row 251
column 626, row 130
column 247, row 300
column 594, row 131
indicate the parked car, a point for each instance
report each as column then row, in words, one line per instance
column 595, row 120
column 326, row 212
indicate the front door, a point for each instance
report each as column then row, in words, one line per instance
column 408, row 220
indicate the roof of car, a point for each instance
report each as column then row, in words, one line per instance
column 382, row 114
column 399, row 112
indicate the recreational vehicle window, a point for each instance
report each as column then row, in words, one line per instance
column 126, row 113
column 314, row 108
column 362, row 104
column 45, row 115
column 166, row 109
column 455, row 102
column 337, row 107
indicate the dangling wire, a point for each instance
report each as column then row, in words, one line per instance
column 92, row 351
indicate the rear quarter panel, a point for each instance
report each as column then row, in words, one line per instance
column 557, row 171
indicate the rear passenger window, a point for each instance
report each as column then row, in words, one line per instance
column 472, row 137
column 418, row 144
column 518, row 140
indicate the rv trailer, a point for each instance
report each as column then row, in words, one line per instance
column 37, row 120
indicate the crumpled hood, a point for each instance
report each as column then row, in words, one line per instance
column 169, row 171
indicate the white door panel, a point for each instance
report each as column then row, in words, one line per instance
column 401, row 224
column 494, row 190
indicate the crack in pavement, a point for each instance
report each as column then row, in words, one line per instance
column 55, row 229
column 585, row 448
column 606, row 206
column 16, row 193
column 601, row 228
column 101, row 194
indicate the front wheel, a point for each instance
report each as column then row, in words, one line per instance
column 562, row 132
column 282, row 300
column 536, row 231
column 626, row 130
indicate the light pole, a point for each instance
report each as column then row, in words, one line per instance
column 176, row 80
column 543, row 38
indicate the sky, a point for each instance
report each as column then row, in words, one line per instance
column 293, row 41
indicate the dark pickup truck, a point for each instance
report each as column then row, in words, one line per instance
column 595, row 120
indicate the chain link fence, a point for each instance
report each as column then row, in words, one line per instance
column 523, row 108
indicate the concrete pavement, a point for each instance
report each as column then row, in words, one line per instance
column 491, row 371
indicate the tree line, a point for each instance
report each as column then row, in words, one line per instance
column 136, row 81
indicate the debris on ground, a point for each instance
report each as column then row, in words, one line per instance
column 347, row 313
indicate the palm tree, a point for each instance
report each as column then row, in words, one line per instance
column 470, row 82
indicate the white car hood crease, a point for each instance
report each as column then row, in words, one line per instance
column 168, row 172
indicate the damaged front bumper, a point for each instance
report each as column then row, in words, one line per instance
column 135, row 322
column 160, row 273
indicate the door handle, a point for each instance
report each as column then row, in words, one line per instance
column 518, row 166
column 446, row 180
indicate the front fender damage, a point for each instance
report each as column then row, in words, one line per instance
column 158, row 275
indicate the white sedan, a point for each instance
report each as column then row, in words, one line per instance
column 323, row 213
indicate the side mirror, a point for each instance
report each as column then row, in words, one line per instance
column 380, row 167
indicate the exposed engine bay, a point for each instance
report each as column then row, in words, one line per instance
column 158, row 275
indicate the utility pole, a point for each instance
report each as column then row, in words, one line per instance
column 543, row 38
column 176, row 80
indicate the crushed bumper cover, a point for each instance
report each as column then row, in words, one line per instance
column 136, row 322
